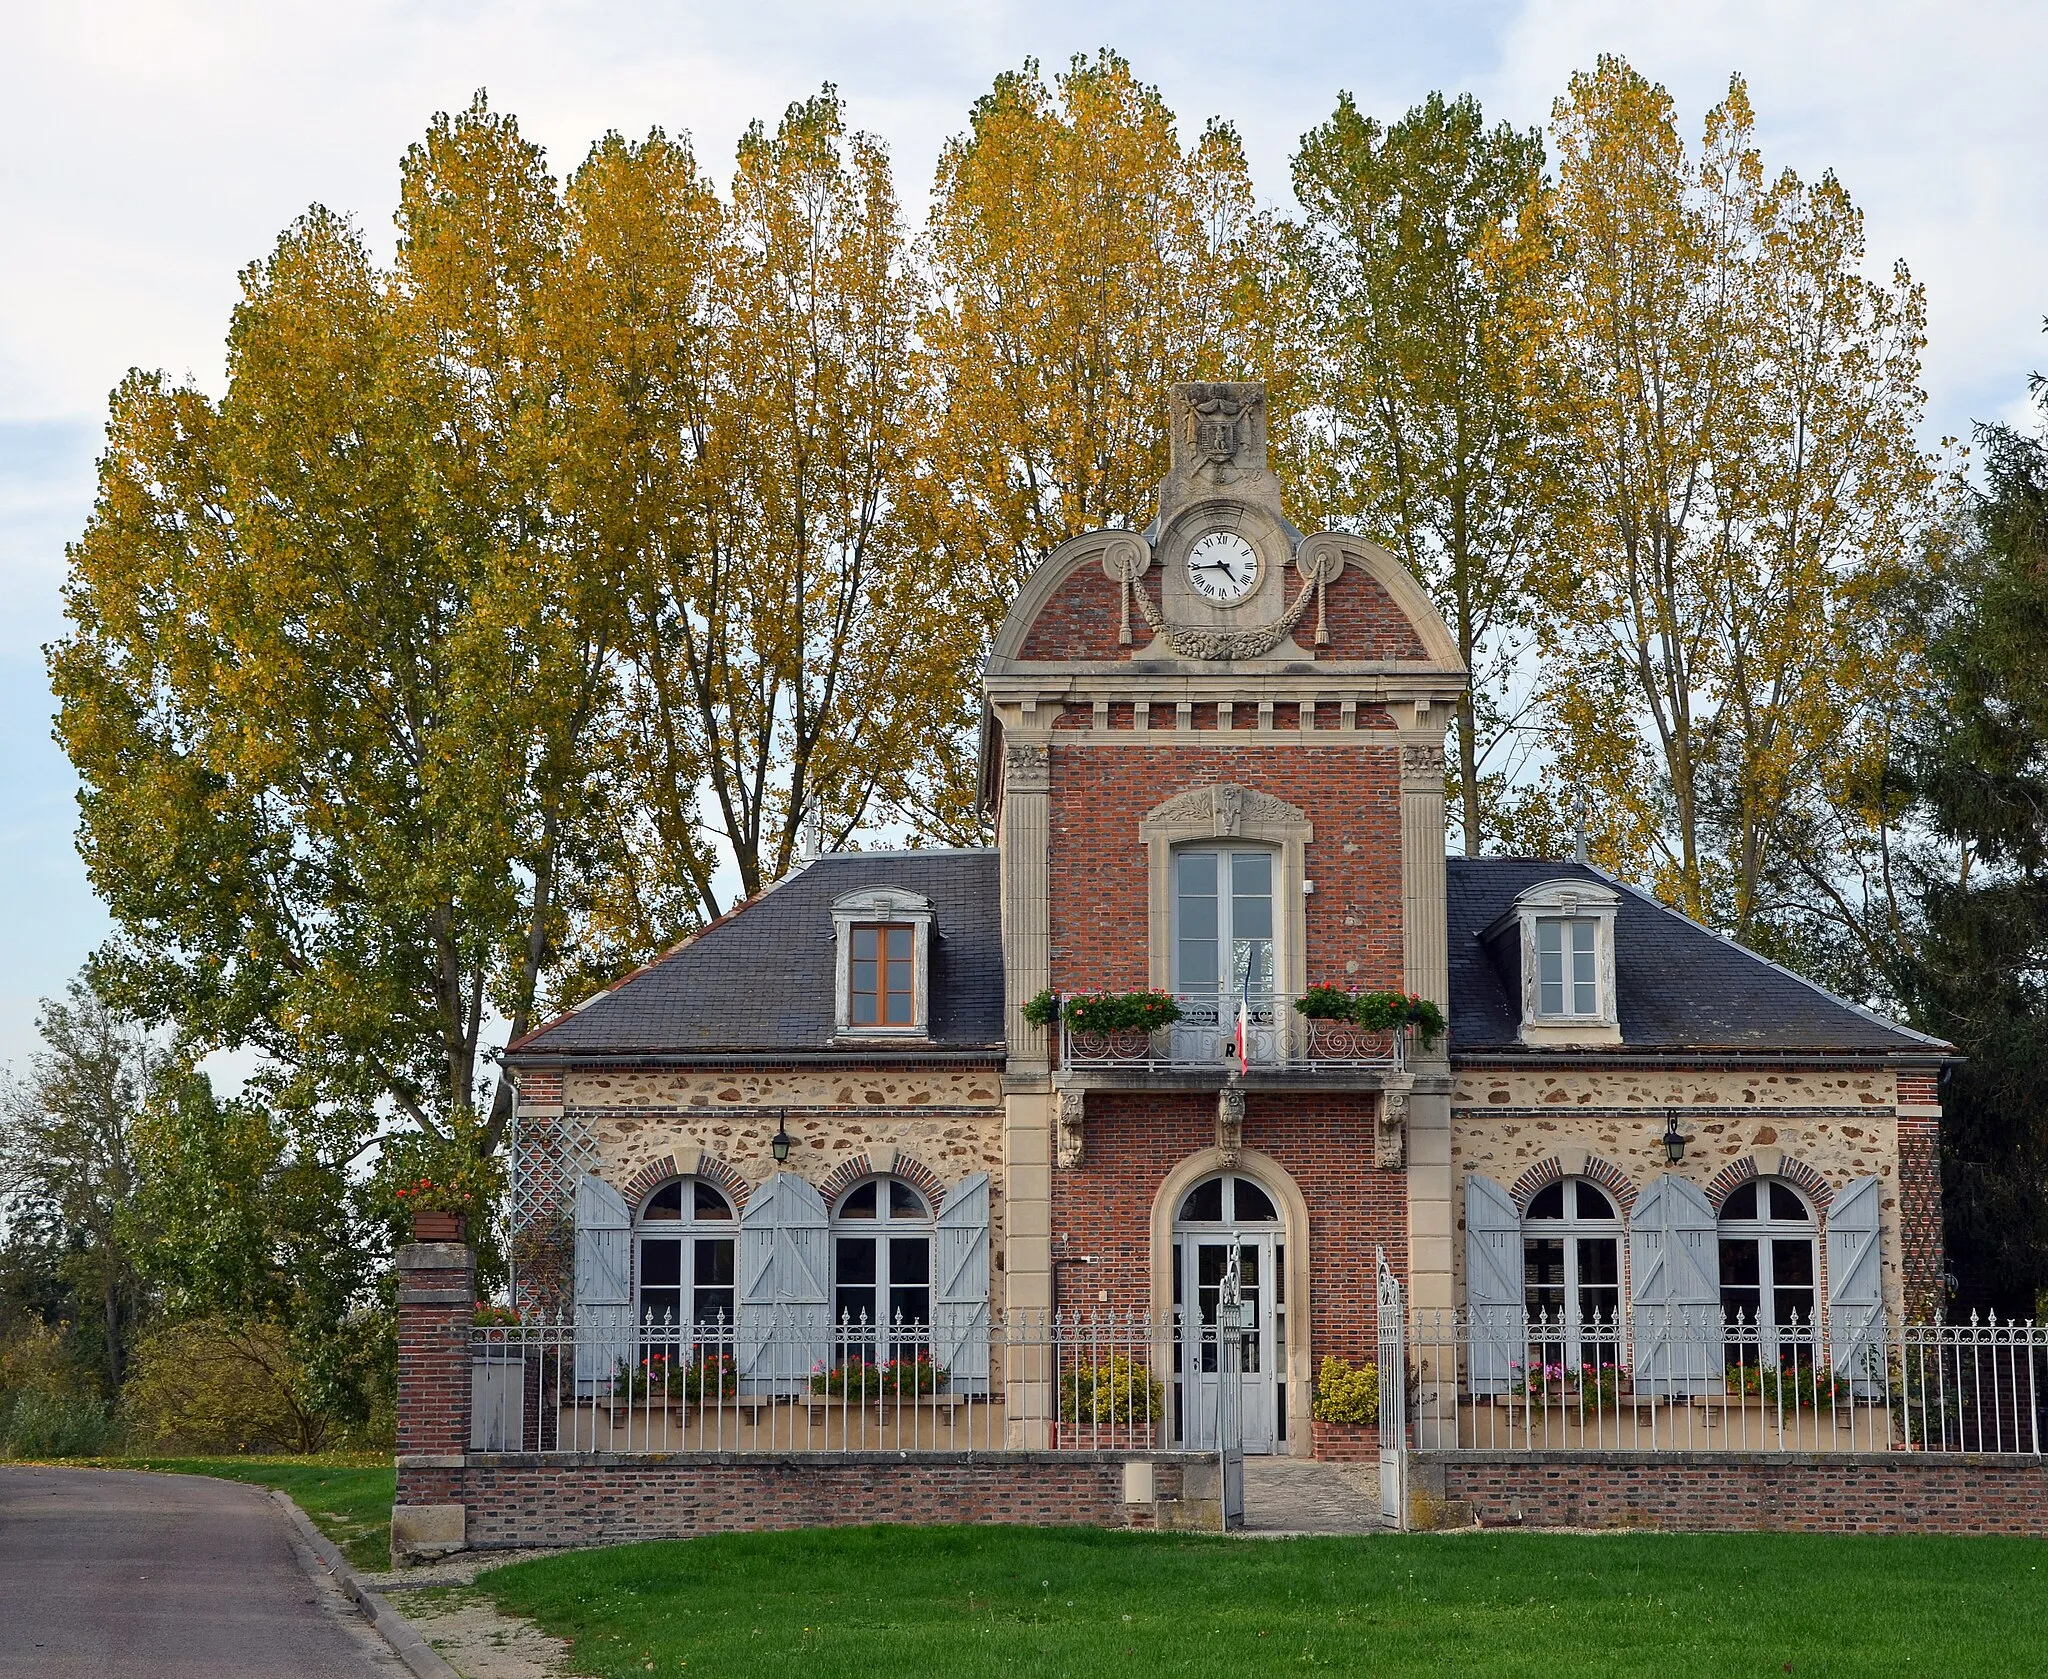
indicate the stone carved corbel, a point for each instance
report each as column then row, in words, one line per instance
column 1392, row 1141
column 1073, row 1115
column 1230, row 1123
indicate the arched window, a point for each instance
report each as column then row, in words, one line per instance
column 882, row 1267
column 686, row 1269
column 1768, row 1268
column 1571, row 1268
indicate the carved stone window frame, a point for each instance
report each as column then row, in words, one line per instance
column 1229, row 813
column 1565, row 900
column 886, row 906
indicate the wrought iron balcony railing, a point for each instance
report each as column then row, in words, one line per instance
column 1278, row 1037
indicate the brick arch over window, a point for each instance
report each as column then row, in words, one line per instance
column 1748, row 1169
column 1591, row 1167
column 887, row 1163
column 720, row 1174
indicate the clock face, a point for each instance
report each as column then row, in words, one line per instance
column 1223, row 567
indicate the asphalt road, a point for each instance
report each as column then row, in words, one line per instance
column 113, row 1574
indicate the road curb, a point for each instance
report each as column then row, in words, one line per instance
column 403, row 1637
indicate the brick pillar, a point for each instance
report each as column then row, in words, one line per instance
column 436, row 1303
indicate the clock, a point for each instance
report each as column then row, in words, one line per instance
column 1223, row 567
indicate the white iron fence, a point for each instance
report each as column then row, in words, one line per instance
column 1277, row 1036
column 1059, row 1381
column 1688, row 1379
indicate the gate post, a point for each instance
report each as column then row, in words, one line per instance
column 1393, row 1396
column 436, row 1305
column 1229, row 1401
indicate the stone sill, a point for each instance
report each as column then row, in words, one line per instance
column 1565, row 1460
column 809, row 1460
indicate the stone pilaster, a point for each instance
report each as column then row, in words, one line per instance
column 1425, row 962
column 1426, row 971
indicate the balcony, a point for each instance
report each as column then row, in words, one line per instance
column 1282, row 1044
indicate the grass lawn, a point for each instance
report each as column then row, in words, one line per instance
column 960, row 1602
column 348, row 1495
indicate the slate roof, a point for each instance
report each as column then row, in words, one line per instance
column 760, row 980
column 1681, row 988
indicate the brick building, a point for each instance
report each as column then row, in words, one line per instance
column 1213, row 752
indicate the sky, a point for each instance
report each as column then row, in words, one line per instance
column 149, row 149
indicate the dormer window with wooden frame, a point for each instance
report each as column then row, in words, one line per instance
column 1558, row 941
column 884, row 964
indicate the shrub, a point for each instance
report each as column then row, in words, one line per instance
column 218, row 1384
column 40, row 1424
column 1121, row 1011
column 1117, row 1392
column 1805, row 1389
column 1347, row 1392
column 1388, row 1011
column 1043, row 1009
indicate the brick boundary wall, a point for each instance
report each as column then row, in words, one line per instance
column 1735, row 1492
column 515, row 1500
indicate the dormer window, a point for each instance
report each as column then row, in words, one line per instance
column 884, row 963
column 1556, row 947
column 1567, row 979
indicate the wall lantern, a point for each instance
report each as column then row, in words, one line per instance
column 778, row 1145
column 1674, row 1144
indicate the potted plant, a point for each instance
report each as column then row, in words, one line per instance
column 1117, row 1401
column 861, row 1383
column 1344, row 1417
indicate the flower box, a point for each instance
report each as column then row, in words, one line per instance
column 1345, row 1442
column 440, row 1227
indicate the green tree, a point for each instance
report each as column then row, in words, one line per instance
column 1980, row 977
column 1419, row 297
column 329, row 680
column 67, row 1163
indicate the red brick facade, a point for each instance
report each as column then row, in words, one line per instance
column 1100, row 885
column 436, row 1309
column 577, row 1500
column 1102, row 1210
column 1709, row 1492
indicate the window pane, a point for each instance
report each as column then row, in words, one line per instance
column 1204, row 1203
column 1251, row 895
column 860, row 1202
column 864, row 944
column 1549, row 968
column 1786, row 1204
column 665, row 1202
column 854, row 1296
column 1549, row 1202
column 910, row 1260
column 1741, row 1204
column 661, row 1263
column 904, row 1202
column 1585, row 992
column 711, row 1204
column 1254, row 1206
column 714, row 1262
column 1195, row 920
column 1741, row 1293
column 1593, row 1204
column 902, row 940
column 1543, row 1276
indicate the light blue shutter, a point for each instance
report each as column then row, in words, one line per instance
column 960, row 1313
column 1856, row 1287
column 785, row 1316
column 1674, row 1262
column 1493, row 1284
column 604, row 1281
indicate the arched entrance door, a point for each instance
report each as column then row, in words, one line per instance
column 1226, row 1219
